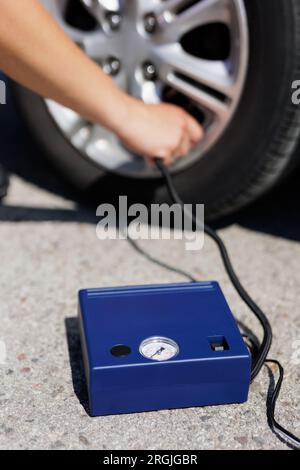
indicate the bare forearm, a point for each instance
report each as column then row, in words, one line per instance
column 38, row 54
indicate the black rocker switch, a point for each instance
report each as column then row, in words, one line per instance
column 219, row 344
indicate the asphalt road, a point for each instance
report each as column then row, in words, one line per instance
column 49, row 251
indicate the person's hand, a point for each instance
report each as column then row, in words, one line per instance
column 159, row 130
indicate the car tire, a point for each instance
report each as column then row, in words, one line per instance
column 255, row 151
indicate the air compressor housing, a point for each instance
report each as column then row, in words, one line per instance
column 159, row 347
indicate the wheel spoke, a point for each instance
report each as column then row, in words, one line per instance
column 74, row 126
column 147, row 91
column 103, row 148
column 170, row 5
column 202, row 98
column 94, row 7
column 99, row 10
column 209, row 74
column 174, row 26
column 95, row 44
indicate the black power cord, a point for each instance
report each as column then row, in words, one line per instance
column 259, row 351
column 160, row 263
column 264, row 348
column 286, row 436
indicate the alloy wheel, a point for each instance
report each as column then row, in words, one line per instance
column 193, row 53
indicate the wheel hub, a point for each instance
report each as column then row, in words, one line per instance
column 132, row 44
column 140, row 44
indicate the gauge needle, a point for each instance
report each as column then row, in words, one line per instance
column 158, row 353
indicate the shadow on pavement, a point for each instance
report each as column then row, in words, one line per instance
column 277, row 213
column 76, row 362
column 32, row 214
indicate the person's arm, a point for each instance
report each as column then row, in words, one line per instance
column 37, row 53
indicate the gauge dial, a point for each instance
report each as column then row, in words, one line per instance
column 159, row 348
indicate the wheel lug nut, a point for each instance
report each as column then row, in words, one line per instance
column 150, row 23
column 111, row 66
column 114, row 20
column 149, row 71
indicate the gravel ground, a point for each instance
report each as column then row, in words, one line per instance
column 49, row 251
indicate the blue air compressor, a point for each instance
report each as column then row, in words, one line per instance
column 162, row 346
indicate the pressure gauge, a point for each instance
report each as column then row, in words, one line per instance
column 158, row 348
